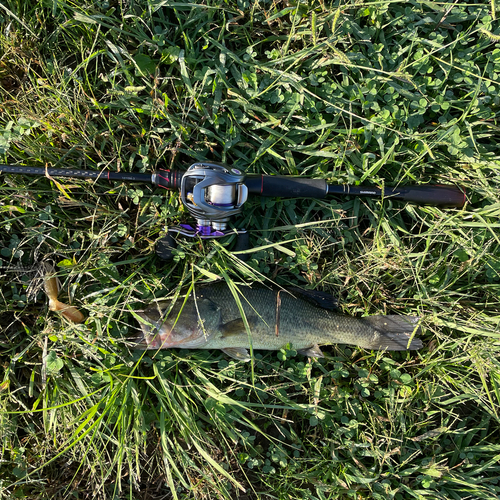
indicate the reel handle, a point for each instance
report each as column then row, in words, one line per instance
column 166, row 244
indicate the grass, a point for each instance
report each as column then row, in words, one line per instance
column 354, row 92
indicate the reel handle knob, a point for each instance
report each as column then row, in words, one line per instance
column 164, row 247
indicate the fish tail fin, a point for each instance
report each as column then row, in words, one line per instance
column 394, row 333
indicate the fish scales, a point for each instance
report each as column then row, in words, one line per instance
column 212, row 320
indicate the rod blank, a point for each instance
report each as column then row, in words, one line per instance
column 75, row 173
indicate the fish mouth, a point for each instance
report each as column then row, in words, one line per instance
column 149, row 336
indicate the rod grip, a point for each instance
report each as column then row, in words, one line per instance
column 437, row 195
column 282, row 186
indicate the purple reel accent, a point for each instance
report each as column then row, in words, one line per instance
column 206, row 231
column 203, row 232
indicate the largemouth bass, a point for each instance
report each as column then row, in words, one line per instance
column 211, row 319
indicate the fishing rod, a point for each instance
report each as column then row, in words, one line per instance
column 214, row 192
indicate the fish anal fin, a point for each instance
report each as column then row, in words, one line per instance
column 239, row 353
column 311, row 352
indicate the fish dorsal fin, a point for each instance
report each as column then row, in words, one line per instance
column 239, row 353
column 311, row 352
column 316, row 297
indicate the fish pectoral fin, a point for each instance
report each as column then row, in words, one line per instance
column 239, row 353
column 311, row 352
column 236, row 327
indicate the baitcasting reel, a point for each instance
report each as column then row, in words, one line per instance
column 212, row 192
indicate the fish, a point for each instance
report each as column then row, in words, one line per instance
column 209, row 318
